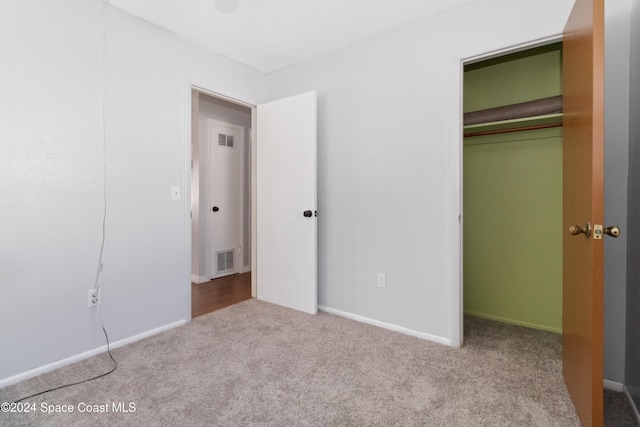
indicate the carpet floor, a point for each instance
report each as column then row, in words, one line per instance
column 257, row 364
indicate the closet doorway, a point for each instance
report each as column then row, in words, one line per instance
column 512, row 188
column 583, row 227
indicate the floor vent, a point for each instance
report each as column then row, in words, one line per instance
column 225, row 260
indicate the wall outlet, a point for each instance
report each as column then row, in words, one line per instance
column 382, row 280
column 93, row 298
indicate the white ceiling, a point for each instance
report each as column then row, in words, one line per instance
column 272, row 34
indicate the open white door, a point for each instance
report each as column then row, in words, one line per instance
column 286, row 202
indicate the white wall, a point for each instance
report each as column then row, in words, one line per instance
column 210, row 107
column 616, row 166
column 51, row 165
column 384, row 184
column 633, row 254
column 51, row 174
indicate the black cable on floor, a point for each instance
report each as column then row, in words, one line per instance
column 115, row 366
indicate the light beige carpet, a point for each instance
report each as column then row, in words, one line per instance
column 256, row 364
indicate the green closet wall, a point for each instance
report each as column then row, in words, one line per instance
column 513, row 197
column 519, row 77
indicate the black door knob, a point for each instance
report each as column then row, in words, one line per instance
column 308, row 214
column 215, row 209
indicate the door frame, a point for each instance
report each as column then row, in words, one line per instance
column 188, row 88
column 216, row 122
column 456, row 135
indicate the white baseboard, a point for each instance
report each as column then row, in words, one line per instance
column 633, row 405
column 613, row 385
column 81, row 356
column 619, row 387
column 390, row 326
column 245, row 268
column 199, row 279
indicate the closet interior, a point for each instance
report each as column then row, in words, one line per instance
column 512, row 188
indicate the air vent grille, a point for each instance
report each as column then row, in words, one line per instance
column 225, row 260
column 225, row 140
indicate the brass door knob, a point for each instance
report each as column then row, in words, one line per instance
column 613, row 231
column 576, row 229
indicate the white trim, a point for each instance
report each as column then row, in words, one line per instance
column 390, row 326
column 458, row 60
column 246, row 268
column 186, row 183
column 455, row 187
column 85, row 355
column 188, row 214
column 632, row 404
column 621, row 388
column 254, row 202
column 220, row 96
column 613, row 385
column 199, row 279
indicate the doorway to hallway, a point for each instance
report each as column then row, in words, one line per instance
column 220, row 293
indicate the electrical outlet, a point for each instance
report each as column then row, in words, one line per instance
column 382, row 280
column 93, row 298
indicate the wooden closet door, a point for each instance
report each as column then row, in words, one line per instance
column 583, row 179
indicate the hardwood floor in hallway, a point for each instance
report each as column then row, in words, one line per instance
column 219, row 293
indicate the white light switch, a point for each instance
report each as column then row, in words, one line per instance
column 175, row 192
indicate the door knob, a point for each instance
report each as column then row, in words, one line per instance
column 215, row 209
column 307, row 214
column 576, row 229
column 613, row 231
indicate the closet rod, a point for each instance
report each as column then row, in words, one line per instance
column 516, row 129
column 538, row 107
